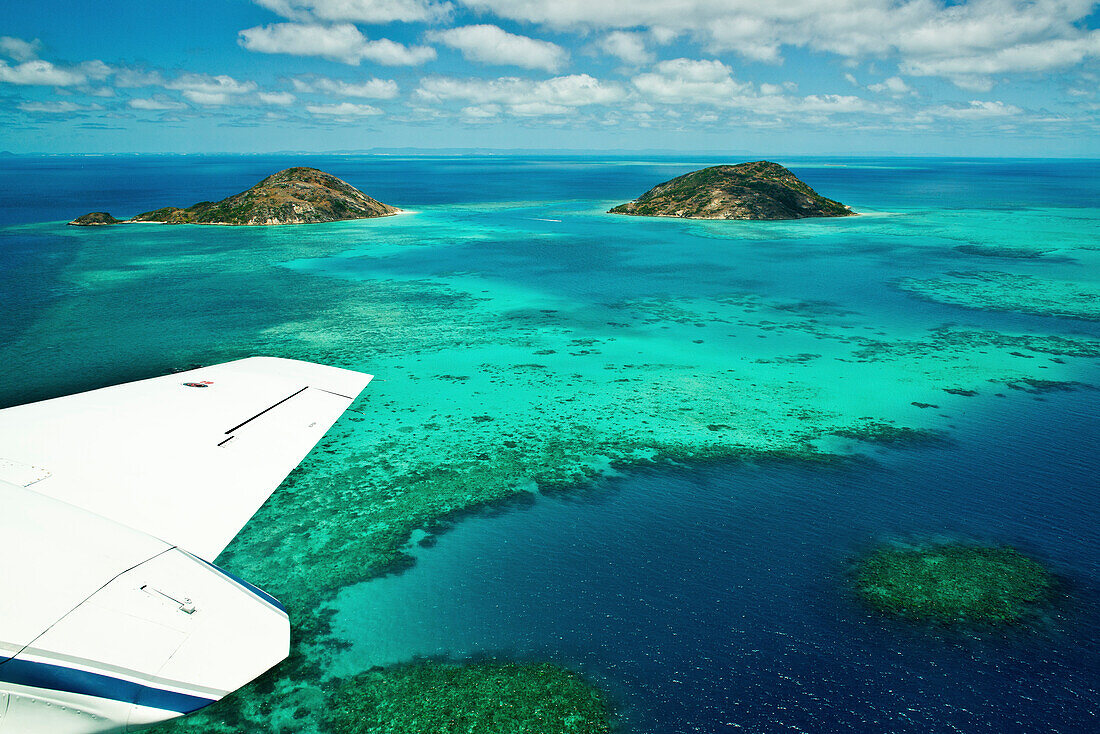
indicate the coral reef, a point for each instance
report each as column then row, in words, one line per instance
column 953, row 583
column 486, row 697
column 487, row 388
column 1009, row 292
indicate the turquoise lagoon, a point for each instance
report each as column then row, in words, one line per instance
column 645, row 449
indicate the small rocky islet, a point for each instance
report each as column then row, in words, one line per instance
column 954, row 584
column 95, row 219
column 297, row 195
column 760, row 190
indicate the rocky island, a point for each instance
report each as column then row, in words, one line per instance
column 758, row 190
column 294, row 196
column 95, row 219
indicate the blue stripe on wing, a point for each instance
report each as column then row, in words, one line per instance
column 254, row 590
column 70, row 680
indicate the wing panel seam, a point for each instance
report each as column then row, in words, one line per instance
column 81, row 603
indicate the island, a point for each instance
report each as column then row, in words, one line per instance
column 294, row 196
column 953, row 583
column 95, row 219
column 496, row 697
column 757, row 190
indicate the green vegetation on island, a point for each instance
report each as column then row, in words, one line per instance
column 758, row 190
column 953, row 583
column 489, row 698
column 293, row 196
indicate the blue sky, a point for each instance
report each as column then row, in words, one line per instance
column 985, row 77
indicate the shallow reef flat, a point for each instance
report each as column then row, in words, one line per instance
column 513, row 356
column 1012, row 292
column 1034, row 233
column 446, row 431
column 502, row 698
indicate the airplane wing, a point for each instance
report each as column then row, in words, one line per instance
column 187, row 458
column 112, row 618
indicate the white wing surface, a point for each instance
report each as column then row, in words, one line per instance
column 187, row 458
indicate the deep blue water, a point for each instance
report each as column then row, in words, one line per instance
column 717, row 598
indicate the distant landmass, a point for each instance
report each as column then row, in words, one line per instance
column 293, row 196
column 758, row 190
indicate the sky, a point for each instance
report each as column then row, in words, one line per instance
column 792, row 77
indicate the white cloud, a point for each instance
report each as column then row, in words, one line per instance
column 488, row 44
column 210, row 90
column 338, row 42
column 96, row 69
column 836, row 104
column 629, row 48
column 154, row 104
column 481, row 113
column 929, row 37
column 894, row 86
column 40, row 73
column 656, row 95
column 539, row 109
column 680, row 81
column 523, row 97
column 341, row 42
column 134, row 79
column 755, row 38
column 390, row 53
column 276, row 98
column 44, row 73
column 57, row 108
column 359, row 11
column 976, row 110
column 1027, row 57
column 704, row 82
column 344, row 109
column 366, row 89
column 207, row 99
column 972, row 83
column 18, row 49
column 663, row 35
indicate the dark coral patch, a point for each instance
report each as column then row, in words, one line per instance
column 502, row 698
column 954, row 583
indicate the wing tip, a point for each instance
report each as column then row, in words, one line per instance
column 336, row 379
